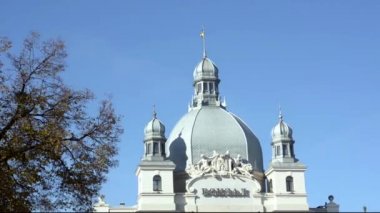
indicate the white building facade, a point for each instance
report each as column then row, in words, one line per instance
column 212, row 161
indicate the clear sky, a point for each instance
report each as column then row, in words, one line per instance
column 319, row 59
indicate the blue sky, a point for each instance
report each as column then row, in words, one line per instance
column 319, row 59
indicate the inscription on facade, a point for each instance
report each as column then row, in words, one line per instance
column 220, row 192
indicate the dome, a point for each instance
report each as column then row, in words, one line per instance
column 206, row 69
column 154, row 129
column 282, row 130
column 208, row 128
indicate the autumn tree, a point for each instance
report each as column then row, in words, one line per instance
column 54, row 154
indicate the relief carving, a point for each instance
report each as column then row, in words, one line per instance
column 220, row 164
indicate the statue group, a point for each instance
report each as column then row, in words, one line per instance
column 221, row 164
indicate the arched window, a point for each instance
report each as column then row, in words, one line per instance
column 289, row 184
column 157, row 183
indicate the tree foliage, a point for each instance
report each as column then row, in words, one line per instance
column 53, row 154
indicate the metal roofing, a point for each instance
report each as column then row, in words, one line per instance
column 208, row 128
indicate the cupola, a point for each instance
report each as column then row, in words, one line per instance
column 206, row 82
column 282, row 130
column 154, row 129
column 154, row 139
column 205, row 70
column 282, row 141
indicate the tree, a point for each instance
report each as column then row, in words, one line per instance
column 53, row 154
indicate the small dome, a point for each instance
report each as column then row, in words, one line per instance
column 282, row 130
column 206, row 69
column 154, row 129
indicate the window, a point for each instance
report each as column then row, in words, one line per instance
column 157, row 183
column 270, row 186
column 285, row 150
column 278, row 150
column 148, row 148
column 162, row 148
column 211, row 87
column 199, row 88
column 155, row 148
column 205, row 87
column 289, row 184
column 291, row 151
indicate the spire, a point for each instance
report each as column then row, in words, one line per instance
column 154, row 112
column 281, row 129
column 280, row 113
column 203, row 36
column 206, row 80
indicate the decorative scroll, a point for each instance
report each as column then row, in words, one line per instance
column 221, row 164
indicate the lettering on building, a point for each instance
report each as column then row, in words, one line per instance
column 225, row 192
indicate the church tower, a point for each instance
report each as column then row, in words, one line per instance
column 286, row 175
column 155, row 171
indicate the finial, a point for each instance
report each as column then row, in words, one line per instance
column 280, row 113
column 154, row 111
column 203, row 36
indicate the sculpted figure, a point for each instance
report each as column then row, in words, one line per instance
column 228, row 161
column 214, row 154
column 193, row 170
column 227, row 153
column 242, row 168
column 220, row 163
column 214, row 159
column 246, row 169
column 238, row 161
column 203, row 164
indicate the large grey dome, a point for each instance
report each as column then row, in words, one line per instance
column 205, row 129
